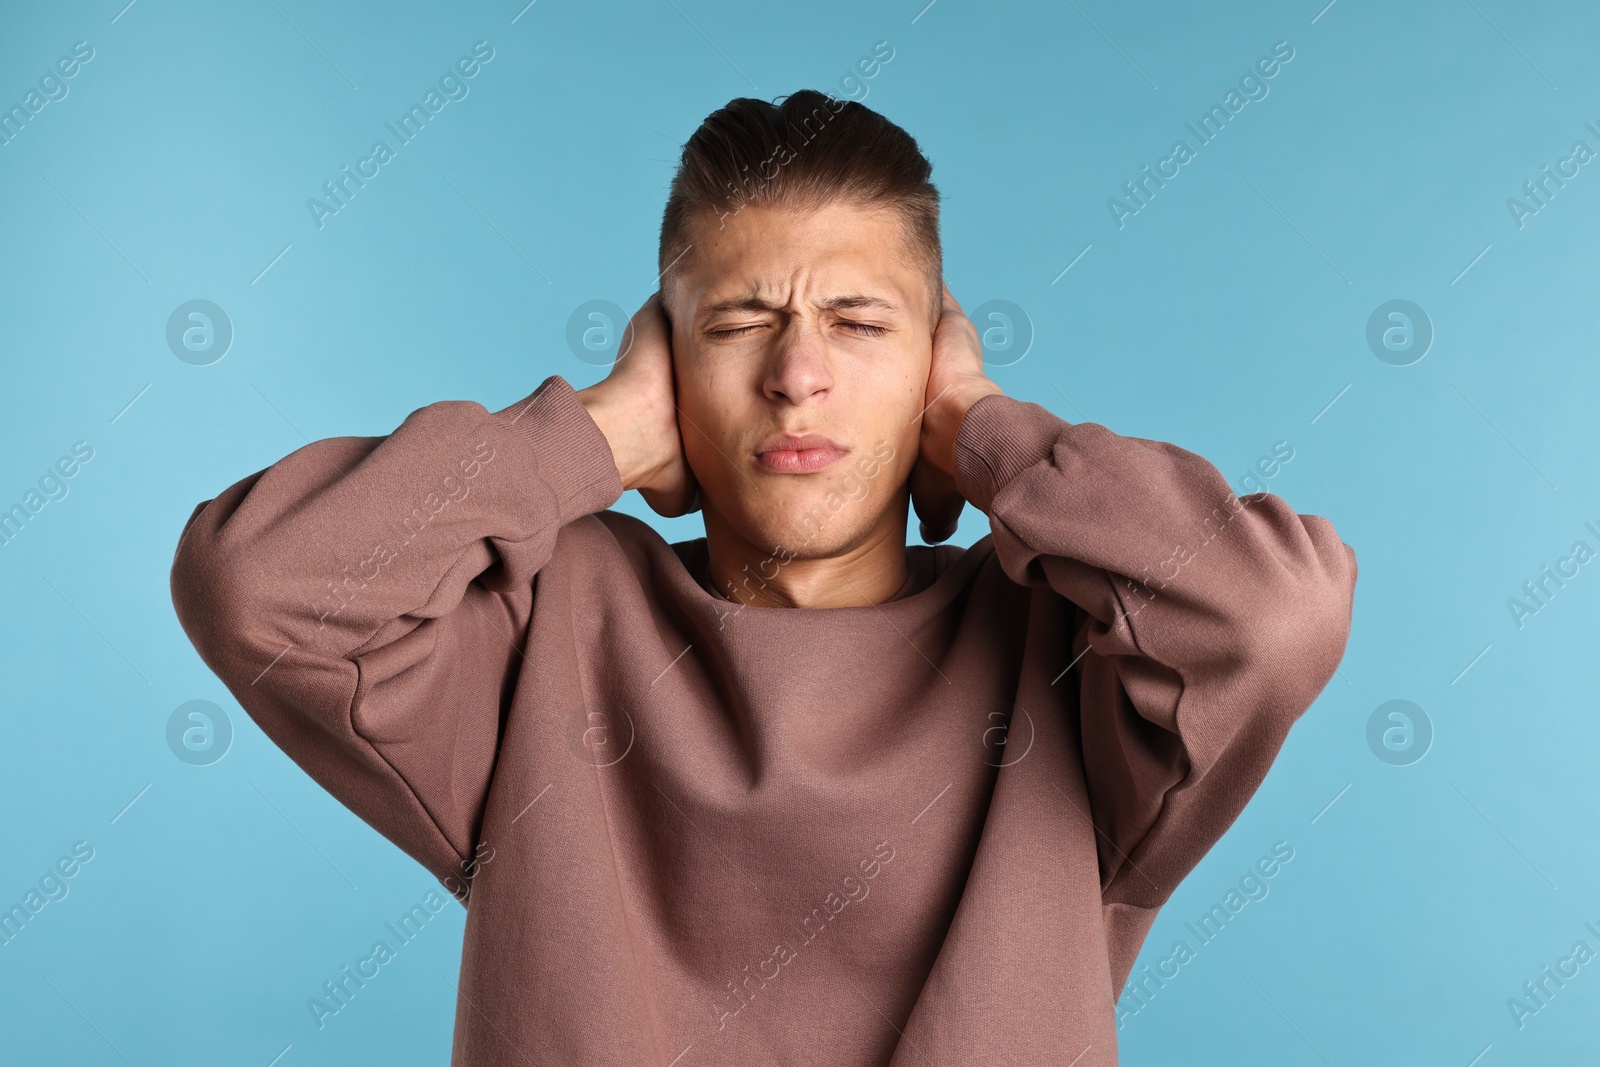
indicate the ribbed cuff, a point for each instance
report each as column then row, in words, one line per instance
column 571, row 452
column 999, row 438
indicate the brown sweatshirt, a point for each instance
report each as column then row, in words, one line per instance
column 933, row 830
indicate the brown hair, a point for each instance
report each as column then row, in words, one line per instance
column 800, row 152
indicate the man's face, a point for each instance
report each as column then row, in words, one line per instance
column 789, row 322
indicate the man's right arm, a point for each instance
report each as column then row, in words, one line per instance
column 365, row 599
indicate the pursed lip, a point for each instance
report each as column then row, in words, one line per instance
column 789, row 442
column 799, row 453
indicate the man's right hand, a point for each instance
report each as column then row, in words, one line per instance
column 636, row 408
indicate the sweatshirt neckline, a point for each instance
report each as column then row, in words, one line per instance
column 923, row 576
column 702, row 577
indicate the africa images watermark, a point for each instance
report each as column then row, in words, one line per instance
column 1253, row 84
column 52, row 486
column 1538, row 192
column 1251, row 886
column 343, row 588
column 816, row 518
column 52, row 887
column 1537, row 993
column 1220, row 518
column 53, row 88
column 742, row 989
column 1538, row 592
column 338, row 992
column 452, row 85
column 767, row 170
column 461, row 888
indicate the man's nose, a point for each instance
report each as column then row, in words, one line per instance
column 798, row 362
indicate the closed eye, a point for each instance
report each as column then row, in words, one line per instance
column 867, row 329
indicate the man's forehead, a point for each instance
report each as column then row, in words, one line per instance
column 841, row 257
column 753, row 296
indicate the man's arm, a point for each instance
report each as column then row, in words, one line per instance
column 365, row 600
column 1208, row 622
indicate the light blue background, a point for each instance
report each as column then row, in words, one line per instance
column 1225, row 316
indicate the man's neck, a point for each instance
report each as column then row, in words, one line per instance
column 771, row 576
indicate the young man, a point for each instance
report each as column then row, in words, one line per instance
column 792, row 792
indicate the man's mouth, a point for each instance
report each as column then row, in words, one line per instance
column 788, row 453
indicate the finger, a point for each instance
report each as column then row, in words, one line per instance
column 931, row 536
column 938, row 523
column 942, row 525
column 658, row 303
column 950, row 302
column 648, row 325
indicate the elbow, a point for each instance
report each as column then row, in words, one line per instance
column 193, row 584
column 192, row 566
column 206, row 595
column 1304, row 640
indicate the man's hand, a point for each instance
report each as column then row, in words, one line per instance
column 636, row 408
column 955, row 382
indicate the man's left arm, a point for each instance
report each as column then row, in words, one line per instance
column 1207, row 623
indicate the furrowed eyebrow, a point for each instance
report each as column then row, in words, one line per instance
column 858, row 300
column 846, row 302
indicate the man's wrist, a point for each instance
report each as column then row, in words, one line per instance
column 946, row 415
column 610, row 425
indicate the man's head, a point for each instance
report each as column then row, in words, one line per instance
column 802, row 275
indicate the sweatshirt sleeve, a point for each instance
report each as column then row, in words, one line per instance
column 1205, row 623
column 366, row 600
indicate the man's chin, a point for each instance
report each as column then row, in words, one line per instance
column 807, row 526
